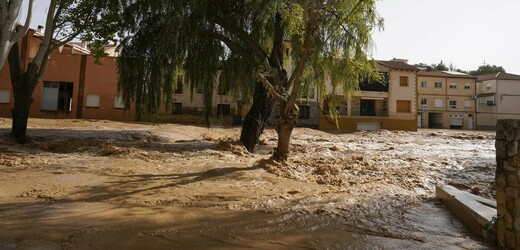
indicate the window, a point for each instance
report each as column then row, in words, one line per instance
column 453, row 85
column 179, row 89
column 467, row 103
column 404, row 106
column 118, row 102
column 223, row 110
column 488, row 86
column 439, row 103
column 438, row 85
column 453, row 104
column 424, row 103
column 177, row 108
column 57, row 96
column 304, row 112
column 467, row 85
column 5, row 96
column 92, row 101
column 486, row 101
column 403, row 81
column 424, row 84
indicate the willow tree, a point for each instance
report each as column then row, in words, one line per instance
column 247, row 40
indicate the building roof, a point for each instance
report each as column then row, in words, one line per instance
column 397, row 64
column 498, row 76
column 450, row 74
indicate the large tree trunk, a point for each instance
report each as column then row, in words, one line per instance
column 23, row 88
column 256, row 118
column 20, row 113
column 284, row 128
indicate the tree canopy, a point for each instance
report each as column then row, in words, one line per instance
column 487, row 69
column 163, row 39
column 279, row 44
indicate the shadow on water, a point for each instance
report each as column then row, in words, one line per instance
column 77, row 141
column 122, row 186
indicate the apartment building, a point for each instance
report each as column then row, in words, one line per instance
column 498, row 97
column 446, row 100
column 390, row 104
column 74, row 86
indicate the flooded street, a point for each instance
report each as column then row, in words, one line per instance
column 107, row 185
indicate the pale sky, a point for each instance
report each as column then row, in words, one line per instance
column 463, row 32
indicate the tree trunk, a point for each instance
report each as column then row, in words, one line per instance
column 20, row 112
column 284, row 129
column 23, row 88
column 256, row 118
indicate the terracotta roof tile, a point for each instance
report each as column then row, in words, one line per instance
column 498, row 76
column 395, row 64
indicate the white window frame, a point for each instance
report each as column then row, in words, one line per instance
column 453, row 104
column 467, row 85
column 5, row 96
column 424, row 84
column 438, row 85
column 92, row 101
column 467, row 103
column 453, row 85
column 439, row 103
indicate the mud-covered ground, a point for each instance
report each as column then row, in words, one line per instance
column 83, row 184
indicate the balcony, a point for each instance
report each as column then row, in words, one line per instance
column 376, row 85
column 370, row 107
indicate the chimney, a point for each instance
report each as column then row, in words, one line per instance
column 40, row 29
column 400, row 60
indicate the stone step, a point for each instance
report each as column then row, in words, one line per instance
column 474, row 211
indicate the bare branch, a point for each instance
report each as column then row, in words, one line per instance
column 236, row 48
column 270, row 88
column 21, row 32
column 242, row 35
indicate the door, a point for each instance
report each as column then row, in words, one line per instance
column 470, row 121
column 456, row 121
column 370, row 126
column 419, row 120
column 435, row 120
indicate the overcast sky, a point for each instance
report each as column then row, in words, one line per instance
column 462, row 32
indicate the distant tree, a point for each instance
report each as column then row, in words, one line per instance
column 487, row 69
column 440, row 67
column 66, row 20
column 462, row 71
column 10, row 31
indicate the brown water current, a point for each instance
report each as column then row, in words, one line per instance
column 108, row 185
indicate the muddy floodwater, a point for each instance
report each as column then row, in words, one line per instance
column 81, row 184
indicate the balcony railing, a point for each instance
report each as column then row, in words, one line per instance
column 376, row 113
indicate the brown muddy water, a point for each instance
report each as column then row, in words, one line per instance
column 108, row 185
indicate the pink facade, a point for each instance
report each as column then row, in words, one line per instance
column 73, row 85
